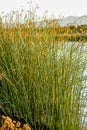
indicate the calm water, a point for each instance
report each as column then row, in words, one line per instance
column 84, row 109
column 84, row 91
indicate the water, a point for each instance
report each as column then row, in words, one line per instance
column 84, row 106
column 84, row 95
column 84, row 91
column 83, row 101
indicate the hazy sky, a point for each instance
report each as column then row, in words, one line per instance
column 55, row 7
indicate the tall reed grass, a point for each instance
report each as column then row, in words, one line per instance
column 42, row 78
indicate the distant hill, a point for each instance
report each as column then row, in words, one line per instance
column 68, row 21
column 72, row 20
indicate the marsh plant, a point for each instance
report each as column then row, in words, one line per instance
column 41, row 78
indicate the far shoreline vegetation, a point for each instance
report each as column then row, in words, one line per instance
column 69, row 32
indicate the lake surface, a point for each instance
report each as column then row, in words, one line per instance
column 84, row 91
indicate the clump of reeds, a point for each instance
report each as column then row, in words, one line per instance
column 42, row 78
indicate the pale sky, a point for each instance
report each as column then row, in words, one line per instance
column 54, row 7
